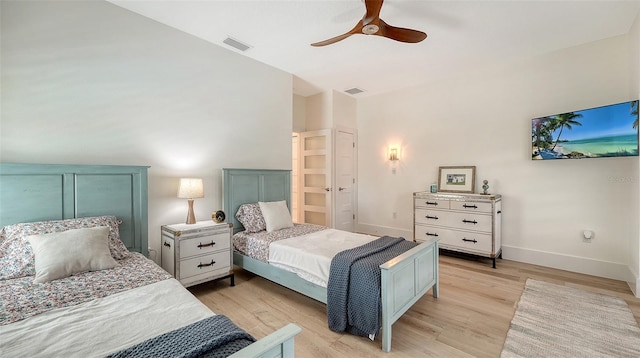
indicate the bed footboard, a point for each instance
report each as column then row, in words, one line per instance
column 277, row 344
column 405, row 279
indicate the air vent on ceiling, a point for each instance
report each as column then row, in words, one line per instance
column 354, row 90
column 236, row 44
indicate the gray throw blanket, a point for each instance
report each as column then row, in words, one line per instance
column 353, row 290
column 214, row 336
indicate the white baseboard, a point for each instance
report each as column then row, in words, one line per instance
column 578, row 264
column 583, row 265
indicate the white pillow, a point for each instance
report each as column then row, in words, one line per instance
column 62, row 254
column 276, row 215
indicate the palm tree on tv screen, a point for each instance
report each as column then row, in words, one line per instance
column 541, row 132
column 562, row 121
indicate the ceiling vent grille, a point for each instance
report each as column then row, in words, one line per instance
column 354, row 90
column 236, row 44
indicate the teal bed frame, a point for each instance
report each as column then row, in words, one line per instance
column 41, row 192
column 404, row 279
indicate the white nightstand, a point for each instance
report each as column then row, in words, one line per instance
column 197, row 252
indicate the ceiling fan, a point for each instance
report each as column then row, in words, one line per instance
column 372, row 24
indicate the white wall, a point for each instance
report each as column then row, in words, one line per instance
column 484, row 119
column 344, row 111
column 299, row 113
column 319, row 113
column 92, row 83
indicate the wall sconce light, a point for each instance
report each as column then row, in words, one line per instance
column 190, row 188
column 393, row 154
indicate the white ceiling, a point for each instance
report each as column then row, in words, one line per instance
column 462, row 35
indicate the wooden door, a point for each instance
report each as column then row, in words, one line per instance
column 316, row 177
column 345, row 179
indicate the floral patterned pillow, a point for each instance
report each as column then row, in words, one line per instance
column 16, row 254
column 251, row 217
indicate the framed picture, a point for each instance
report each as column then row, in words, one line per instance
column 457, row 179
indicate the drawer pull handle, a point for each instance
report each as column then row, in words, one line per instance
column 167, row 244
column 431, row 217
column 469, row 206
column 204, row 265
column 499, row 211
column 431, row 203
column 467, row 240
column 430, row 234
column 206, row 245
column 469, row 221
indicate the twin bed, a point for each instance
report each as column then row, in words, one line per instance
column 303, row 253
column 131, row 305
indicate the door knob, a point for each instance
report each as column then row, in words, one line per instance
column 341, row 188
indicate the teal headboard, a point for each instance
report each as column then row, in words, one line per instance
column 242, row 186
column 40, row 192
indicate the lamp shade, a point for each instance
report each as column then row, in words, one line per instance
column 190, row 188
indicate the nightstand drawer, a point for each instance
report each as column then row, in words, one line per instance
column 205, row 264
column 204, row 244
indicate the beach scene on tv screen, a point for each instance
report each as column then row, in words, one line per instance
column 608, row 131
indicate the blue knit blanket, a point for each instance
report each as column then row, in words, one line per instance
column 353, row 291
column 215, row 336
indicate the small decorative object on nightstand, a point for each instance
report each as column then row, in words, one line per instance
column 218, row 216
column 196, row 253
column 485, row 187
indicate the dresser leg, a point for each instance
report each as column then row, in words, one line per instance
column 494, row 262
column 233, row 280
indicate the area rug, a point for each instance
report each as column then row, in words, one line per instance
column 560, row 321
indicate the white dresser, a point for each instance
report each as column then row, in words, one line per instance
column 197, row 252
column 469, row 223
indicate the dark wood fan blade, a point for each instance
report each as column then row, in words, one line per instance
column 356, row 30
column 400, row 34
column 332, row 40
column 373, row 11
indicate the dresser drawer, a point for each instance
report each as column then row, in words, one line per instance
column 431, row 203
column 204, row 244
column 205, row 264
column 470, row 206
column 457, row 220
column 457, row 240
column 431, row 217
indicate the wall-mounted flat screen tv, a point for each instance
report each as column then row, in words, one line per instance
column 607, row 131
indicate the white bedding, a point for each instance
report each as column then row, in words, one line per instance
column 105, row 325
column 309, row 256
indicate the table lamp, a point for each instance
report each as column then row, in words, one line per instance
column 190, row 188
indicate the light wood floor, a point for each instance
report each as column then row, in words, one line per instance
column 470, row 319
